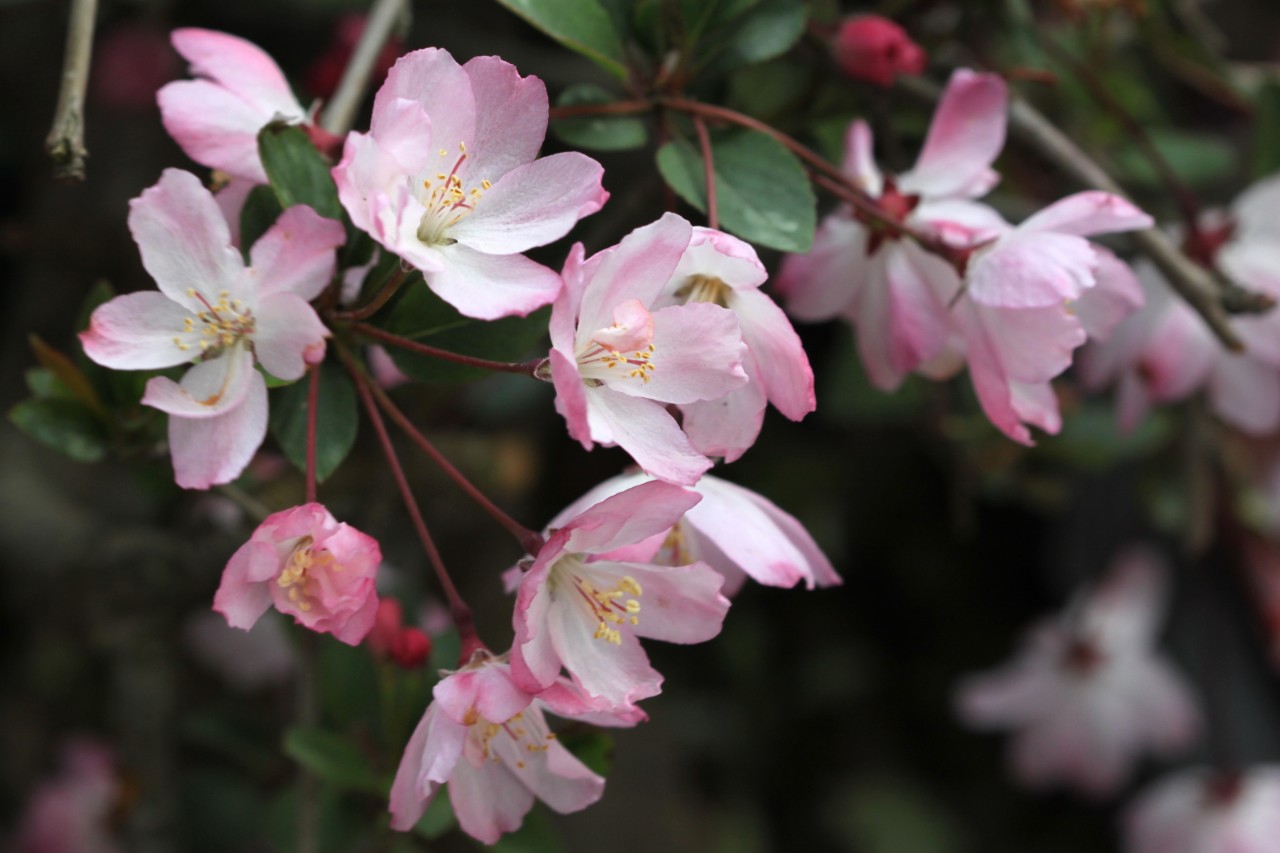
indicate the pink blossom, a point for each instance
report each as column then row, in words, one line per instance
column 618, row 359
column 725, row 271
column 875, row 49
column 447, row 179
column 71, row 813
column 247, row 660
column 488, row 739
column 239, row 90
column 1088, row 694
column 310, row 566
column 216, row 313
column 737, row 532
column 590, row 593
column 1201, row 811
column 1166, row 353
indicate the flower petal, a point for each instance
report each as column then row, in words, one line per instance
column 678, row 604
column 966, row 134
column 242, row 68
column 138, row 331
column 297, row 254
column 213, row 450
column 214, row 127
column 697, row 355
column 617, row 675
column 491, row 286
column 647, row 431
column 511, row 117
column 488, row 800
column 627, row 517
column 242, row 598
column 429, row 760
column 824, row 283
column 289, row 336
column 777, row 353
column 860, row 158
column 434, row 79
column 638, row 267
column 1087, row 213
column 207, row 390
column 727, row 426
column 1032, row 269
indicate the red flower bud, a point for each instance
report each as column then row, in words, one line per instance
column 875, row 49
column 411, row 648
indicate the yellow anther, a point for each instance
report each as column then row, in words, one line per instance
column 630, row 585
column 486, row 184
column 633, row 606
column 444, row 152
column 462, row 146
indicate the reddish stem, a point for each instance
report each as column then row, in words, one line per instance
column 525, row 367
column 530, row 541
column 709, row 169
column 617, row 108
column 379, row 299
column 313, row 397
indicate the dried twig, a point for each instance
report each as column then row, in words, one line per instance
column 65, row 142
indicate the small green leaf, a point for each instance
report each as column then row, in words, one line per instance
column 334, row 759
column 767, row 31
column 69, row 375
column 580, row 25
column 592, row 747
column 762, row 192
column 336, row 420
column 297, row 171
column 1198, row 159
column 602, row 132
column 422, row 316
column 64, row 425
column 261, row 210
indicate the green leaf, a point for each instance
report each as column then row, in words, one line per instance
column 436, row 820
column 762, row 193
column 580, row 25
column 767, row 31
column 334, row 759
column 261, row 210
column 336, row 420
column 602, row 133
column 536, row 835
column 296, row 170
column 64, row 425
column 1199, row 159
column 1266, row 140
column 422, row 316
column 592, row 747
column 69, row 375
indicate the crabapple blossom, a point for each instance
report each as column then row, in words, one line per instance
column 308, row 565
column 875, row 49
column 71, row 813
column 216, row 118
column 737, row 532
column 1088, row 694
column 220, row 315
column 590, row 593
column 1198, row 810
column 488, row 739
column 725, row 271
column 1166, row 353
column 447, row 179
column 617, row 359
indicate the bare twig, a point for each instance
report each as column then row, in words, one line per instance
column 527, row 368
column 65, row 142
column 341, row 109
column 709, row 170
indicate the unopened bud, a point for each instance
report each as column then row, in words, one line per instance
column 875, row 49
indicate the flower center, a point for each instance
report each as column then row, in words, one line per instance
column 446, row 199
column 298, row 575
column 627, row 345
column 704, row 288
column 529, row 731
column 1083, row 656
column 221, row 325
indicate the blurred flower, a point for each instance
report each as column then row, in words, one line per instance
column 131, row 60
column 876, row 50
column 1088, row 694
column 248, row 660
column 71, row 812
column 448, row 178
column 488, row 739
column 590, row 594
column 310, row 566
column 1202, row 811
column 221, row 316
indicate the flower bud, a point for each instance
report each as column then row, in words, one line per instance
column 875, row 49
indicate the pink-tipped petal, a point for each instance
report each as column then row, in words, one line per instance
column 1088, row 213
column 214, row 450
column 297, row 254
column 697, row 355
column 777, row 352
column 241, row 67
column 628, row 517
column 511, row 116
column 860, row 158
column 647, row 431
column 214, row 127
column 964, row 138
column 825, row 283
column 139, row 331
column 289, row 336
column 1032, row 269
column 491, row 286
column 432, row 78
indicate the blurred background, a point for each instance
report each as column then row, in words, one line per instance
column 817, row 720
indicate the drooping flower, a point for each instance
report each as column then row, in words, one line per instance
column 875, row 49
column 1088, row 694
column 725, row 271
column 308, row 565
column 488, row 740
column 737, row 532
column 617, row 360
column 590, row 594
column 71, row 812
column 216, row 313
column 1166, row 353
column 447, row 179
column 1202, row 811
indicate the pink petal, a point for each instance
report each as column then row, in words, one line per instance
column 617, row 676
column 214, row 127
column 231, row 199
column 429, row 760
column 902, row 318
column 488, row 800
column 1116, row 294
column 571, row 397
column 647, row 431
column 627, row 517
column 137, row 331
column 289, row 336
column 184, row 240
column 511, row 116
column 1246, row 393
column 242, row 598
column 432, row 78
column 402, row 135
column 678, row 604
column 533, row 204
column 777, row 353
column 1088, row 213
column 210, row 451
column 208, row 389
column 860, row 159
column 554, row 776
column 715, row 254
column 632, row 328
column 727, row 426
column 964, row 138
column 491, row 286
column 1032, row 269
column 1257, row 212
column 535, row 663
column 240, row 67
column 697, row 355
column 297, row 254
column 487, row 690
column 638, row 267
column 1180, row 355
column 824, row 283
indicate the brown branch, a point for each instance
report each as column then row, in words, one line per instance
column 65, row 142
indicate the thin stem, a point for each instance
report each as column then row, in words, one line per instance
column 341, row 109
column 530, row 541
column 65, row 142
column 308, row 716
column 458, row 608
column 524, row 367
column 382, row 297
column 616, row 108
column 313, row 398
column 709, row 169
